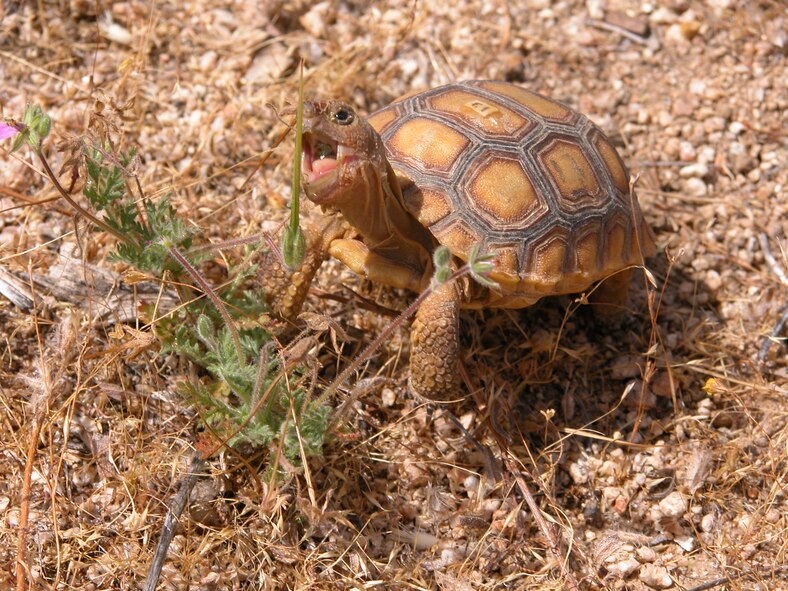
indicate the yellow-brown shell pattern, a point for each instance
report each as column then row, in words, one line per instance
column 532, row 181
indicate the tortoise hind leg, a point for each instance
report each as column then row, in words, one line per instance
column 435, row 345
column 610, row 298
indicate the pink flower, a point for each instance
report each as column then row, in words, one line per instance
column 8, row 130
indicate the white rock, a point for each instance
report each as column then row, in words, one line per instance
column 646, row 554
column 697, row 170
column 579, row 472
column 673, row 505
column 687, row 151
column 686, row 543
column 656, row 577
column 596, row 9
column 713, row 280
column 316, row 19
column 624, row 568
column 695, row 187
column 388, row 397
column 662, row 16
column 674, row 35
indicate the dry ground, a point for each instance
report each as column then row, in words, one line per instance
column 680, row 482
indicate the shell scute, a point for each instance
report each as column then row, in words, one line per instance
column 508, row 204
column 484, row 116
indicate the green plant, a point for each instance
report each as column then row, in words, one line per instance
column 246, row 395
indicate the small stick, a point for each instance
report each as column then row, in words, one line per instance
column 168, row 530
column 775, row 334
column 610, row 27
column 770, row 260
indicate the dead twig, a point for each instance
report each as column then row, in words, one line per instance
column 171, row 521
column 773, row 336
column 774, row 266
column 612, row 28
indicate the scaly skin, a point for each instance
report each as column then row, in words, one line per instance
column 285, row 289
column 435, row 346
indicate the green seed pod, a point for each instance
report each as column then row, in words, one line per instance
column 293, row 247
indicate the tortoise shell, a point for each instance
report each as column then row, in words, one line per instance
column 532, row 181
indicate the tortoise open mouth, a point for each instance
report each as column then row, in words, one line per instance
column 321, row 160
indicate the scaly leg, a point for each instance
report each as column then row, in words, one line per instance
column 286, row 289
column 435, row 346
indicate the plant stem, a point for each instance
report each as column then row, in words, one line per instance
column 296, row 186
column 217, row 302
column 81, row 210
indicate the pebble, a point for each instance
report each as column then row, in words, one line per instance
column 623, row 568
column 314, row 21
column 646, row 554
column 663, row 16
column 695, row 187
column 744, row 523
column 686, row 543
column 675, row 35
column 388, row 397
column 696, row 170
column 578, row 471
column 713, row 280
column 705, row 406
column 687, row 151
column 673, row 505
column 656, row 577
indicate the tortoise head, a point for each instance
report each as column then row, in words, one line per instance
column 338, row 149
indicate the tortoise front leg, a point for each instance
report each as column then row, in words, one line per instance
column 434, row 351
column 286, row 289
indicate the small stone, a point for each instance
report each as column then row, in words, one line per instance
column 772, row 515
column 661, row 386
column 739, row 158
column 687, row 151
column 596, row 9
column 713, row 280
column 471, row 484
column 705, row 406
column 663, row 16
column 656, row 577
column 208, row 61
column 744, row 523
column 686, row 543
column 696, row 170
column 316, row 19
column 578, row 471
column 695, row 187
column 388, row 397
column 674, row 36
column 645, row 554
column 707, row 523
column 698, row 87
column 635, row 24
column 609, row 495
column 673, row 505
column 623, row 568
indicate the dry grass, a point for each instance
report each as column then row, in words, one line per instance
column 657, row 446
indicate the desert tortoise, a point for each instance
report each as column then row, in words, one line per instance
column 531, row 181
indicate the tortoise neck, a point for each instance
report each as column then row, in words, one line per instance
column 388, row 229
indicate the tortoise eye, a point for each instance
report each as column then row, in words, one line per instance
column 344, row 116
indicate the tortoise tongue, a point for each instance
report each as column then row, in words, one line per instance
column 320, row 168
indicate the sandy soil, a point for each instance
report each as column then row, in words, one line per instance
column 658, row 447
